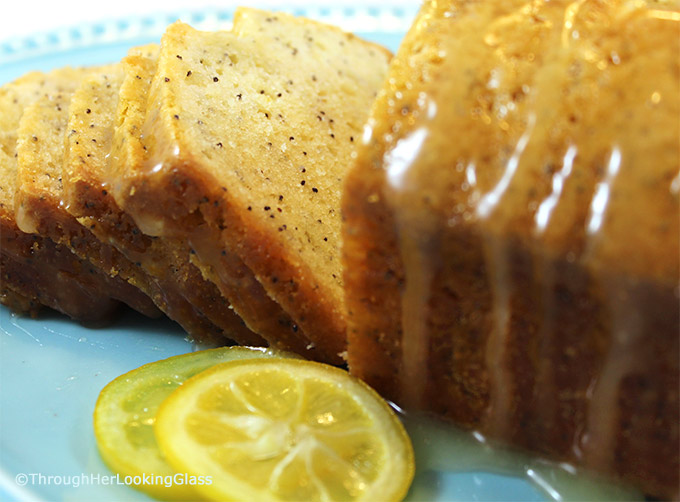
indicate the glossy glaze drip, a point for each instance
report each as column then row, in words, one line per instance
column 26, row 220
column 500, row 374
column 415, row 244
column 596, row 445
column 598, row 205
column 625, row 357
column 491, row 199
column 415, row 299
column 547, row 206
column 497, row 258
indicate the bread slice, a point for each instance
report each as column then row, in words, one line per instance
column 38, row 200
column 249, row 136
column 223, row 268
column 35, row 270
column 139, row 68
column 511, row 239
column 87, row 198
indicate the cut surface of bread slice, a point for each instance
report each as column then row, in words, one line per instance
column 250, row 134
column 87, row 197
column 169, row 256
column 38, row 199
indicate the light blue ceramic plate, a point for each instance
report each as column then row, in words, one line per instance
column 52, row 369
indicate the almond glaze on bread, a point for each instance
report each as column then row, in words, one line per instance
column 34, row 270
column 249, row 135
column 86, row 194
column 38, row 200
column 511, row 239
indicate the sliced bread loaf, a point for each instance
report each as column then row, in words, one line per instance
column 219, row 266
column 38, row 199
column 34, row 270
column 93, row 112
column 249, row 136
column 511, row 239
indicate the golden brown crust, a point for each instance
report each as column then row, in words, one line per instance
column 17, row 302
column 39, row 284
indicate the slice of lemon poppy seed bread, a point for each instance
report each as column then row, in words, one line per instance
column 224, row 269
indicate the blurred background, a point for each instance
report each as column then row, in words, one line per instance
column 22, row 18
column 46, row 34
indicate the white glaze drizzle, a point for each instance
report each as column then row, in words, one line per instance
column 443, row 448
column 500, row 378
column 622, row 358
column 598, row 205
column 26, row 220
column 595, row 443
column 414, row 242
column 414, row 315
column 546, row 207
column 490, row 200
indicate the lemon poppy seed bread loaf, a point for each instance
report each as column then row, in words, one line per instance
column 511, row 238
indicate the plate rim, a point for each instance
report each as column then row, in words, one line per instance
column 371, row 17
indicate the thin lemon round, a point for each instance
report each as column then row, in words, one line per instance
column 126, row 411
column 285, row 429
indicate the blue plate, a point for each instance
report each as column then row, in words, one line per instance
column 52, row 369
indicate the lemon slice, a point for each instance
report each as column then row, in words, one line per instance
column 285, row 429
column 126, row 411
